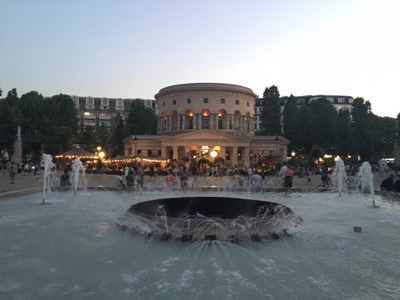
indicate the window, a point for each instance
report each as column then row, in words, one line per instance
column 237, row 102
column 222, row 100
column 205, row 122
column 248, row 104
column 163, row 104
column 205, row 100
column 188, row 101
column 220, row 123
column 173, row 102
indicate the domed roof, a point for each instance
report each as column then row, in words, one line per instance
column 205, row 86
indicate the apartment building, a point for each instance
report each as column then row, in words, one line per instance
column 97, row 111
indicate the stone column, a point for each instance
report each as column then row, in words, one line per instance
column 175, row 153
column 194, row 121
column 234, row 156
column 246, row 157
column 164, row 152
column 169, row 123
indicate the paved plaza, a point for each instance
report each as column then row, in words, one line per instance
column 30, row 183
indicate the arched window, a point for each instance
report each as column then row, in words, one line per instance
column 189, row 119
column 205, row 119
column 221, row 119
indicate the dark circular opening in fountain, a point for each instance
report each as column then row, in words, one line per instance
column 208, row 218
column 221, row 207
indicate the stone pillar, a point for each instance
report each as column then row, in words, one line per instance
column 222, row 153
column 169, row 123
column 183, row 122
column 17, row 155
column 246, row 157
column 234, row 156
column 175, row 153
column 194, row 121
column 164, row 152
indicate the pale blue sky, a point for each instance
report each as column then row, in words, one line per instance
column 132, row 49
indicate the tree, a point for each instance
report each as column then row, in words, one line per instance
column 325, row 124
column 343, row 132
column 383, row 136
column 290, row 121
column 117, row 135
column 103, row 135
column 31, row 106
column 10, row 120
column 60, row 123
column 271, row 113
column 361, row 129
column 398, row 129
column 140, row 120
column 88, row 138
column 307, row 123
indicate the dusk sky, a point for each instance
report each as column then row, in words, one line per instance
column 132, row 49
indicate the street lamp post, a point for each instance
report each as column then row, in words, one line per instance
column 135, row 141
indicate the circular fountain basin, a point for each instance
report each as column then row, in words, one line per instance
column 208, row 218
column 72, row 249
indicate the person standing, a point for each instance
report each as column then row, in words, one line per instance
column 130, row 179
column 118, row 180
column 194, row 175
column 288, row 181
column 139, row 177
column 170, row 179
column 183, row 177
column 13, row 171
column 282, row 172
column 256, row 180
column 126, row 170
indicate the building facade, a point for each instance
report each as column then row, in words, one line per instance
column 210, row 120
column 98, row 111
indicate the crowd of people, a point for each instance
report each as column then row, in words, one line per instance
column 390, row 183
column 242, row 177
column 133, row 177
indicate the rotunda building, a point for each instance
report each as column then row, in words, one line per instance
column 215, row 106
column 206, row 120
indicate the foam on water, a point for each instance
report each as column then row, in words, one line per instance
column 72, row 249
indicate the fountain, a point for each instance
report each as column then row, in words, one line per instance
column 339, row 175
column 78, row 178
column 73, row 249
column 202, row 217
column 365, row 177
column 49, row 174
